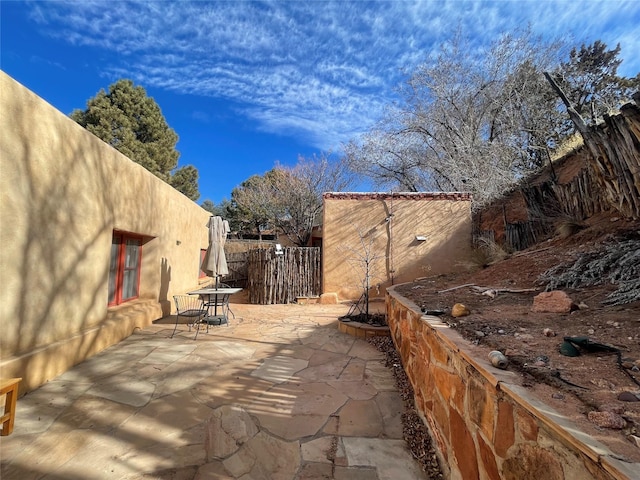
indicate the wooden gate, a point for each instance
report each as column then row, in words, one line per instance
column 274, row 278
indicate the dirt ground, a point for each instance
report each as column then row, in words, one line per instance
column 574, row 386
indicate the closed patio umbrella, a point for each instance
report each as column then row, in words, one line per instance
column 215, row 262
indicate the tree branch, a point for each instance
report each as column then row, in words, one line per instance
column 573, row 114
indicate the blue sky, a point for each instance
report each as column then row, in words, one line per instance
column 247, row 84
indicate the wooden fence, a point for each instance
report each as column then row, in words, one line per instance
column 615, row 147
column 521, row 235
column 238, row 272
column 609, row 181
column 282, row 278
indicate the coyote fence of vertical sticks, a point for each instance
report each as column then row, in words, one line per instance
column 282, row 278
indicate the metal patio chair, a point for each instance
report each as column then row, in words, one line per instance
column 193, row 308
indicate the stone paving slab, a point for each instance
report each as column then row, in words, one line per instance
column 389, row 457
column 279, row 394
column 279, row 369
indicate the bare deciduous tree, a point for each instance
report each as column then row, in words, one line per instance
column 472, row 119
column 289, row 199
column 253, row 208
column 364, row 258
column 299, row 194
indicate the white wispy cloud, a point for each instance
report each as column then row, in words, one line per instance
column 321, row 70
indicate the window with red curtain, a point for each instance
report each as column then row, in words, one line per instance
column 124, row 268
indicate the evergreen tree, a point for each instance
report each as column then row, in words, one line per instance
column 591, row 82
column 185, row 180
column 225, row 209
column 131, row 122
column 209, row 206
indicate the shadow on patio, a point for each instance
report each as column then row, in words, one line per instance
column 280, row 393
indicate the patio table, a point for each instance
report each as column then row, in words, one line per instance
column 215, row 297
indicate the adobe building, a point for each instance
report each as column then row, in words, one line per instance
column 93, row 246
column 393, row 238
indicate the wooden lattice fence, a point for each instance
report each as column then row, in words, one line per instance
column 274, row 278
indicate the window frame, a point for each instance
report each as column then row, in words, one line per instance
column 120, row 238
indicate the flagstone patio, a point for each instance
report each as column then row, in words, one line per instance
column 281, row 393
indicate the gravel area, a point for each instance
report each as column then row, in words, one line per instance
column 415, row 431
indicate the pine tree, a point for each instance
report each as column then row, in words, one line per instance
column 132, row 122
column 590, row 80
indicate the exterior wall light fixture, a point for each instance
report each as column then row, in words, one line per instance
column 421, row 238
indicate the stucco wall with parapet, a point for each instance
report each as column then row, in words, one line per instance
column 403, row 236
column 62, row 194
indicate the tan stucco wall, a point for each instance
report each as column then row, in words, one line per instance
column 62, row 193
column 387, row 225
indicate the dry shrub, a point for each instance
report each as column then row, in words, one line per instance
column 568, row 227
column 485, row 254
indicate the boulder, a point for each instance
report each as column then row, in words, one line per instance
column 628, row 397
column 459, row 310
column 555, row 301
column 607, row 420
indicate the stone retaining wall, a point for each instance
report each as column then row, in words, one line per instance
column 484, row 424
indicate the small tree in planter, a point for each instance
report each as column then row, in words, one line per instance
column 364, row 261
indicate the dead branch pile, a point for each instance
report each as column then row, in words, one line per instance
column 617, row 263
